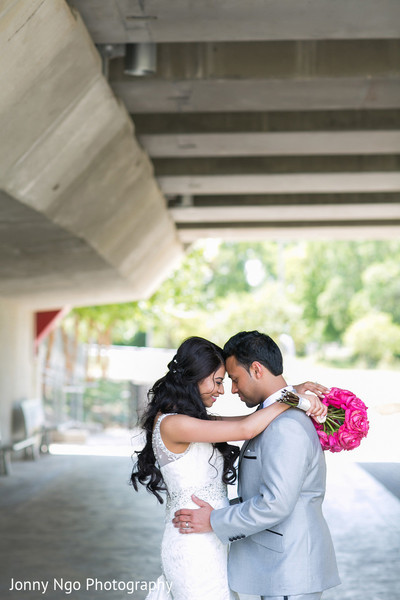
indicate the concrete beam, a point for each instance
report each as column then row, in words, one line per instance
column 271, row 60
column 325, row 231
column 306, row 121
column 338, row 93
column 68, row 153
column 308, row 213
column 124, row 21
column 300, row 183
column 257, row 165
column 271, row 144
column 265, row 200
column 41, row 263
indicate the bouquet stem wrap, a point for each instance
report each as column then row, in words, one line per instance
column 303, row 403
column 346, row 423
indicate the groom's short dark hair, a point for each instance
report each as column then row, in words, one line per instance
column 248, row 346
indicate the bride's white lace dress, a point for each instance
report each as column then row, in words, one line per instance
column 194, row 565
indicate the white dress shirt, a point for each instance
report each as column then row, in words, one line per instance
column 274, row 397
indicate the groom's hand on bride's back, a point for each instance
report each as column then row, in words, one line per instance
column 194, row 520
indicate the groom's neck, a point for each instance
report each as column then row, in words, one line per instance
column 275, row 383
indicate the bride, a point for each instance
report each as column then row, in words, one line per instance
column 186, row 452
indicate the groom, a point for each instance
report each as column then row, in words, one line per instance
column 281, row 545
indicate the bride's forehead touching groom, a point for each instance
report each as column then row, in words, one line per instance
column 280, row 544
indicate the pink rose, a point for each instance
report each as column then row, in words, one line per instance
column 343, row 398
column 348, row 439
column 346, row 422
column 323, row 438
column 357, row 403
column 318, row 426
column 356, row 420
column 334, row 444
column 331, row 399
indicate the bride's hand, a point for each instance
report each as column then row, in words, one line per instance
column 311, row 386
column 317, row 410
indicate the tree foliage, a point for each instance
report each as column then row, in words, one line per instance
column 317, row 292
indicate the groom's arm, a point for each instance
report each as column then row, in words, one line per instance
column 286, row 452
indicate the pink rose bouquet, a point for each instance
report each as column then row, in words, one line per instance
column 346, row 423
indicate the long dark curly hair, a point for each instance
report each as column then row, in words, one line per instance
column 178, row 392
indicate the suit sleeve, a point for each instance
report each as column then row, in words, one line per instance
column 285, row 451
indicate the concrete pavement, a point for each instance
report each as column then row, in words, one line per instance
column 68, row 520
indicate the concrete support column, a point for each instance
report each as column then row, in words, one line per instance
column 17, row 372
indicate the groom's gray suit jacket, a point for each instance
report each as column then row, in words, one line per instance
column 281, row 544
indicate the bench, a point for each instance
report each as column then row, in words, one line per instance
column 4, row 458
column 28, row 432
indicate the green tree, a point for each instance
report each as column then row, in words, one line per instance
column 374, row 338
column 380, row 290
column 327, row 276
column 314, row 291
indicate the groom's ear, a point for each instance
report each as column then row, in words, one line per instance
column 256, row 369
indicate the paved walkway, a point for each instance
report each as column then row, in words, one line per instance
column 73, row 519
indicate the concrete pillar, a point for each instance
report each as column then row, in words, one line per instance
column 17, row 361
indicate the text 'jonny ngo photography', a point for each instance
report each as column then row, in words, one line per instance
column 88, row 585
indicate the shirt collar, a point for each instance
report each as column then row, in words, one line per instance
column 274, row 397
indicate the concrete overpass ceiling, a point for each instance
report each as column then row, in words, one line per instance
column 262, row 120
column 82, row 218
column 260, row 76
column 123, row 21
column 33, row 249
column 265, row 119
column 41, row 262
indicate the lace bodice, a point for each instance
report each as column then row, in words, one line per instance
column 194, row 565
column 197, row 471
column 162, row 454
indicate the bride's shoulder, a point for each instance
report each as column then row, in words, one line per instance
column 172, row 420
column 158, row 419
column 161, row 417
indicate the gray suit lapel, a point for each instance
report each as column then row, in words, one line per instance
column 243, row 450
column 246, row 443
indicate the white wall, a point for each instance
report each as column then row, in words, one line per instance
column 17, row 361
